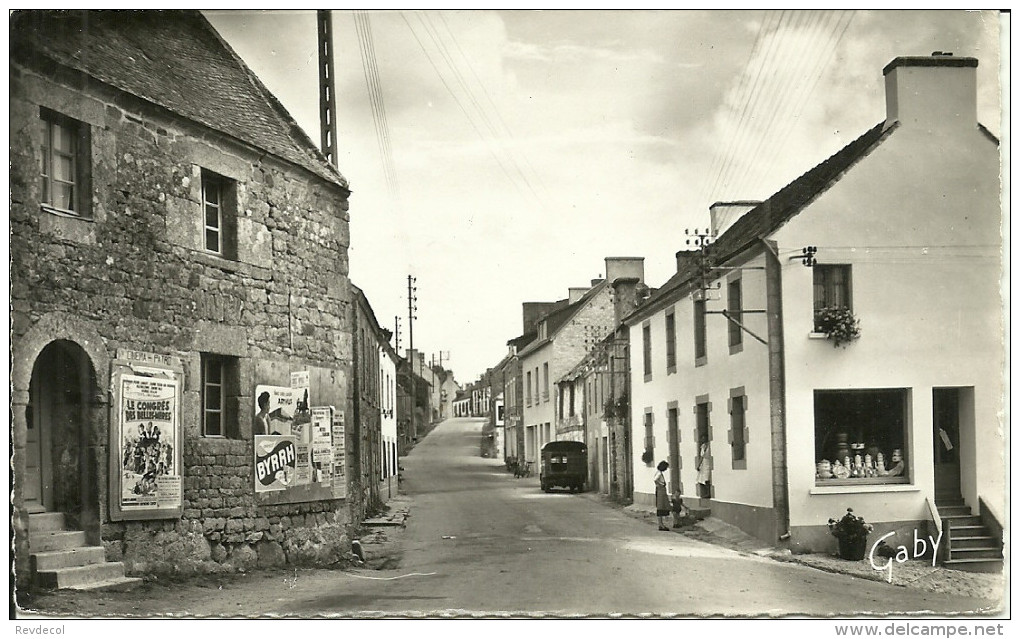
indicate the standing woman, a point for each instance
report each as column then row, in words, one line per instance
column 661, row 498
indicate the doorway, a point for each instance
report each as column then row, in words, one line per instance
column 673, row 440
column 946, row 440
column 60, row 468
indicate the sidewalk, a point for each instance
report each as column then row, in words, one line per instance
column 916, row 574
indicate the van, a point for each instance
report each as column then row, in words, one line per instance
column 564, row 464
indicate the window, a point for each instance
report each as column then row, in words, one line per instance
column 670, row 342
column 563, row 396
column 527, row 390
column 649, row 454
column 571, row 400
column 218, row 197
column 738, row 432
column 545, row 381
column 831, row 287
column 646, row 349
column 734, row 306
column 65, row 164
column 219, row 384
column 869, row 424
column 700, row 337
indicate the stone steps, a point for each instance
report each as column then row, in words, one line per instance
column 60, row 557
column 970, row 545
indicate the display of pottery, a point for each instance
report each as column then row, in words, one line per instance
column 862, row 466
column 824, row 469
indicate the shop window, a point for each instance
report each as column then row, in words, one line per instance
column 219, row 214
column 670, row 342
column 831, row 288
column 861, row 435
column 219, row 386
column 65, row 165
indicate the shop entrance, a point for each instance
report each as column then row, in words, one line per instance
column 946, row 440
column 58, row 473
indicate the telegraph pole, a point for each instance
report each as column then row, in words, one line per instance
column 412, row 307
column 327, row 86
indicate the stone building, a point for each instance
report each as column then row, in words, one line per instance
column 180, row 307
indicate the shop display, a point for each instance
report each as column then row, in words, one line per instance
column 861, row 465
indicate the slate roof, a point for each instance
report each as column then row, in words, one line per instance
column 767, row 217
column 174, row 59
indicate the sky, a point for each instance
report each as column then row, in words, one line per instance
column 499, row 157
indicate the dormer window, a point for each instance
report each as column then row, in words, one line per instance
column 542, row 330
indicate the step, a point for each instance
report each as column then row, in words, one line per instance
column 117, row 584
column 988, row 552
column 55, row 540
column 977, row 541
column 974, row 565
column 955, row 511
column 46, row 522
column 80, row 575
column 962, row 520
column 971, row 530
column 53, row 559
column 954, row 501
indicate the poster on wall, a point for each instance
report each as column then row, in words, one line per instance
column 339, row 448
column 322, row 445
column 150, row 477
column 280, row 410
column 276, row 459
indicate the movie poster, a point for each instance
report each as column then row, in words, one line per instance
column 150, row 478
column 275, row 462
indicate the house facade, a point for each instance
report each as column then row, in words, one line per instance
column 388, row 453
column 563, row 338
column 734, row 370
column 180, row 304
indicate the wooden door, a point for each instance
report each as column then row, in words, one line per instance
column 946, row 440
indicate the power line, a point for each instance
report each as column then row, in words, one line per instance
column 373, row 85
column 464, row 110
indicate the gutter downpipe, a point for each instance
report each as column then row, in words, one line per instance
column 777, row 389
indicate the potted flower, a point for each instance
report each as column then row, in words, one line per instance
column 839, row 325
column 851, row 533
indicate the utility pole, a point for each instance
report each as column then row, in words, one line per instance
column 327, row 93
column 396, row 333
column 412, row 308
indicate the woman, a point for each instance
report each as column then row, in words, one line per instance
column 662, row 509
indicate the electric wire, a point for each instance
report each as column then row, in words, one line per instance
column 366, row 43
column 460, row 105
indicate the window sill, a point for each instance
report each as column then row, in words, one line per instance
column 52, row 210
column 701, row 361
column 847, row 488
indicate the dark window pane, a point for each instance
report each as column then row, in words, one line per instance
column 213, row 397
column 212, row 241
column 213, row 425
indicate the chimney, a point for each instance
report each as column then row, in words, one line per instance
column 683, row 257
column 938, row 89
column 575, row 293
column 722, row 215
column 617, row 267
column 626, row 296
column 532, row 311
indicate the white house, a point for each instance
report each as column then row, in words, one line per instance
column 902, row 228
column 388, row 419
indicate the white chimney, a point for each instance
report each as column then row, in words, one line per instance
column 722, row 215
column 575, row 293
column 928, row 90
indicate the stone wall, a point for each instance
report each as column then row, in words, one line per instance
column 135, row 276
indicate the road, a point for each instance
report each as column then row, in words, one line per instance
column 480, row 542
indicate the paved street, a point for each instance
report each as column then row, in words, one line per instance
column 480, row 541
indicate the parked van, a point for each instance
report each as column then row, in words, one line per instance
column 564, row 464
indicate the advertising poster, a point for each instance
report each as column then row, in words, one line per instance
column 150, row 478
column 339, row 471
column 282, row 411
column 322, row 445
column 275, row 462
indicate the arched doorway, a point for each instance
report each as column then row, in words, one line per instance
column 60, row 464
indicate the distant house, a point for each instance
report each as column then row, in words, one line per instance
column 733, row 365
column 563, row 338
